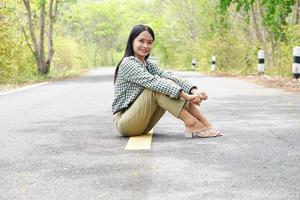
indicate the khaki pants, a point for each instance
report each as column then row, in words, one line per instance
column 146, row 111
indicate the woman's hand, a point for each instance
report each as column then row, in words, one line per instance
column 191, row 98
column 202, row 95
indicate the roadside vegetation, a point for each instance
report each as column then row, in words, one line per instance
column 52, row 39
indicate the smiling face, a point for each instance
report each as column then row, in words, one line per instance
column 142, row 45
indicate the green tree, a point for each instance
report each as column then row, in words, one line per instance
column 273, row 19
column 37, row 45
column 15, row 59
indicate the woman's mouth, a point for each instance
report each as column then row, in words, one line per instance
column 145, row 51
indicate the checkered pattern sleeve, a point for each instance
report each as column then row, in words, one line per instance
column 135, row 72
column 185, row 85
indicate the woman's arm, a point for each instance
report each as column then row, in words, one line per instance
column 132, row 71
column 185, row 85
column 194, row 92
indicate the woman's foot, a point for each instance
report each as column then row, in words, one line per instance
column 195, row 127
column 203, row 133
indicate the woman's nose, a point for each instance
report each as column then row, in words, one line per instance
column 146, row 45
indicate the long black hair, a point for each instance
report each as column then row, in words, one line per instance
column 129, row 48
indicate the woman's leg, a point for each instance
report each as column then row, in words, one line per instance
column 193, row 110
column 146, row 111
column 180, row 109
column 190, row 121
column 159, row 112
column 141, row 116
column 194, row 114
column 150, row 106
column 196, row 123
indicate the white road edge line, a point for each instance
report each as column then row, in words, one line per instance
column 23, row 88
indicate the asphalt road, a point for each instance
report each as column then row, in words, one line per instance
column 58, row 141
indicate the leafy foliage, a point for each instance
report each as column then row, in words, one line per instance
column 92, row 33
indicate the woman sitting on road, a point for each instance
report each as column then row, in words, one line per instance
column 143, row 92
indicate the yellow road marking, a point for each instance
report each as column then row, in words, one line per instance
column 140, row 142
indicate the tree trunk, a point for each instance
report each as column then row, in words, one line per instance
column 52, row 19
column 31, row 31
column 265, row 46
column 256, row 26
column 38, row 50
column 42, row 65
column 297, row 11
column 264, row 35
column 272, row 39
column 279, row 50
column 95, row 56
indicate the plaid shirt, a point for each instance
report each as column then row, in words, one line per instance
column 134, row 76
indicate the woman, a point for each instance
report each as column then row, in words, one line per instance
column 143, row 92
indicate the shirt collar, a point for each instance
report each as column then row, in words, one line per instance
column 144, row 64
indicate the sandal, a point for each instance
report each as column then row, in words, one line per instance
column 203, row 133
column 220, row 133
